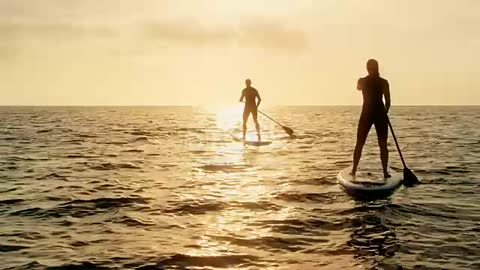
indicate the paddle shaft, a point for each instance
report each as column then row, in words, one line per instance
column 270, row 118
column 396, row 142
column 278, row 123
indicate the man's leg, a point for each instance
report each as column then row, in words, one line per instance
column 257, row 126
column 246, row 113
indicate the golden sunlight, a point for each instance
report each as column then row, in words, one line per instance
column 234, row 11
column 228, row 117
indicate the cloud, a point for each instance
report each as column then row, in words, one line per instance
column 272, row 35
column 7, row 53
column 255, row 34
column 52, row 29
column 187, row 33
column 252, row 34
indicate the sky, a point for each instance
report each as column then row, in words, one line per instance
column 199, row 52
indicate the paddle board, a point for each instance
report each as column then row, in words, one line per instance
column 363, row 186
column 254, row 143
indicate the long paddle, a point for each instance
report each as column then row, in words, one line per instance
column 288, row 130
column 409, row 179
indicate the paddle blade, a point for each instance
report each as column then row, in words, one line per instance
column 288, row 130
column 409, row 179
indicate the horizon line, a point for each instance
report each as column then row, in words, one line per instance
column 278, row 105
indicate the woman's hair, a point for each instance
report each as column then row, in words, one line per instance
column 372, row 67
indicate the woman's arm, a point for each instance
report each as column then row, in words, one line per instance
column 386, row 94
column 360, row 84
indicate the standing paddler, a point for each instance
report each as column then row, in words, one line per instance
column 252, row 101
column 374, row 112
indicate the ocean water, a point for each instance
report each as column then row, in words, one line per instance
column 168, row 188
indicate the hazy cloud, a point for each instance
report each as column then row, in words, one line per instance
column 252, row 34
column 12, row 30
column 272, row 35
column 187, row 33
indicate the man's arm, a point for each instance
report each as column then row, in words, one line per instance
column 360, row 84
column 386, row 94
column 259, row 99
column 242, row 96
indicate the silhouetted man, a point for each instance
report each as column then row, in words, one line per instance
column 250, row 95
column 374, row 88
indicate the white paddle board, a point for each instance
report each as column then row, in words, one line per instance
column 365, row 186
column 254, row 143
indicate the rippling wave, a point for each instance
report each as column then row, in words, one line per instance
column 167, row 188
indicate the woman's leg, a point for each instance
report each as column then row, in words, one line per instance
column 381, row 126
column 364, row 125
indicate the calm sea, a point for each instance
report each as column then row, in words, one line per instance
column 167, row 188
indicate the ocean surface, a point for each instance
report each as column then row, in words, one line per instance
column 168, row 188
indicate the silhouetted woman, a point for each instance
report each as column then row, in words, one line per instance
column 374, row 88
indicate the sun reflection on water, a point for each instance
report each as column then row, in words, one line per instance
column 240, row 182
column 227, row 117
